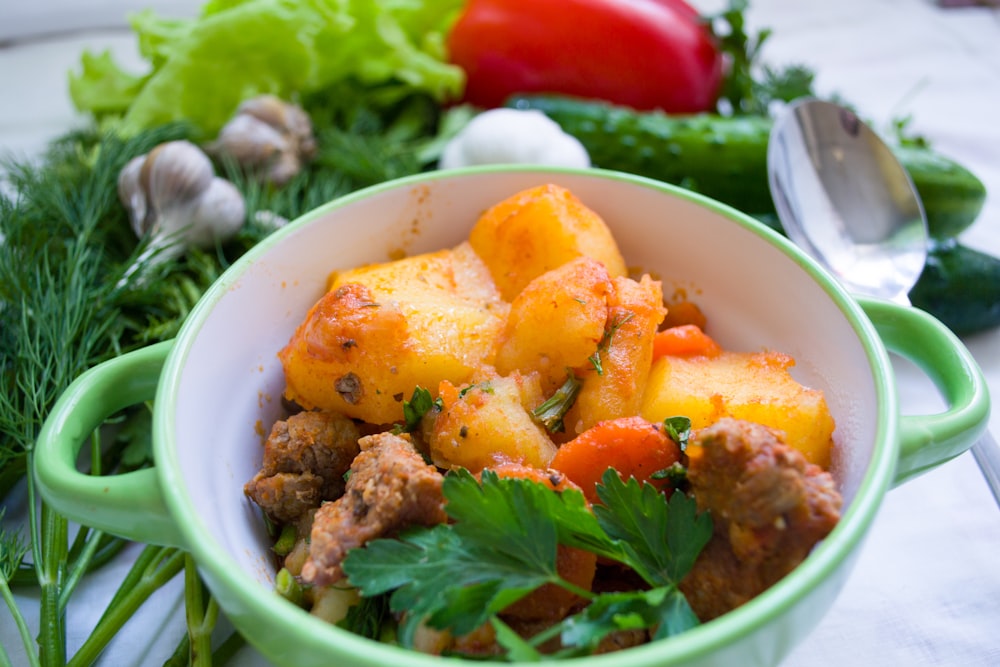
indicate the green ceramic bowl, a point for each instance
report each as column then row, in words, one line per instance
column 219, row 383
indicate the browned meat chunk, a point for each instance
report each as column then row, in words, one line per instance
column 305, row 458
column 390, row 487
column 770, row 507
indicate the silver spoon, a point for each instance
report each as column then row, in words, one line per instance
column 844, row 198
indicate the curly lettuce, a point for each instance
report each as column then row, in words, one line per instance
column 202, row 68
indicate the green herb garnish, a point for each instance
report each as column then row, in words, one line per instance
column 501, row 545
column 414, row 410
column 679, row 430
column 550, row 413
column 605, row 342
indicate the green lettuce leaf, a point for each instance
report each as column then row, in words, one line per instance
column 202, row 68
column 102, row 87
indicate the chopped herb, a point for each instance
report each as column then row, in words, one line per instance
column 486, row 387
column 414, row 410
column 550, row 413
column 289, row 587
column 675, row 475
column 679, row 429
column 595, row 358
column 286, row 541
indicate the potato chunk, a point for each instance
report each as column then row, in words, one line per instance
column 384, row 329
column 537, row 230
column 556, row 322
column 754, row 386
column 490, row 423
column 613, row 386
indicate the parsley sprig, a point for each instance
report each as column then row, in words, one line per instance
column 501, row 545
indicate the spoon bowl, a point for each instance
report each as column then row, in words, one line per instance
column 843, row 197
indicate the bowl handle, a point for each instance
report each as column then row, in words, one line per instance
column 131, row 504
column 927, row 441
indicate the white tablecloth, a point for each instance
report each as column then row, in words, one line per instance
column 926, row 589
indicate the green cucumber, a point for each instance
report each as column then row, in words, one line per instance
column 725, row 158
column 961, row 287
column 952, row 195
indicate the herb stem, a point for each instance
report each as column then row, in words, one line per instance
column 546, row 634
column 181, row 654
column 22, row 627
column 155, row 566
column 51, row 569
column 87, row 542
column 584, row 593
column 550, row 413
column 78, row 568
column 200, row 619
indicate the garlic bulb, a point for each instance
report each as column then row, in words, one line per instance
column 269, row 137
column 173, row 196
column 513, row 136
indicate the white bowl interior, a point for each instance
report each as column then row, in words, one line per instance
column 755, row 297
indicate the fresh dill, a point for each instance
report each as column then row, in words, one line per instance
column 605, row 343
column 552, row 412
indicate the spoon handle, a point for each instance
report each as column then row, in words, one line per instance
column 987, row 455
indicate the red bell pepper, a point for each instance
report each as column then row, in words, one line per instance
column 646, row 54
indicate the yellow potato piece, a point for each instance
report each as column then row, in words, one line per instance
column 752, row 386
column 383, row 330
column 490, row 423
column 635, row 310
column 556, row 322
column 537, row 230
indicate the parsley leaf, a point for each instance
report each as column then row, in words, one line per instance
column 664, row 608
column 518, row 649
column 500, row 548
column 661, row 539
column 502, row 544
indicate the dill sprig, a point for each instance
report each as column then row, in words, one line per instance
column 64, row 308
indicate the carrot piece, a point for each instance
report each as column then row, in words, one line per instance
column 686, row 340
column 448, row 393
column 631, row 445
column 554, row 479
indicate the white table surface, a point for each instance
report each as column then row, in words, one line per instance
column 926, row 588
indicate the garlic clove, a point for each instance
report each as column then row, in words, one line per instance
column 218, row 214
column 132, row 196
column 268, row 109
column 173, row 174
column 250, row 141
column 269, row 136
column 284, row 168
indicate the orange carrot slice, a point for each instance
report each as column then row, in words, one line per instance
column 686, row 340
column 631, row 445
